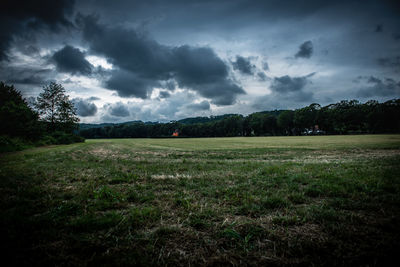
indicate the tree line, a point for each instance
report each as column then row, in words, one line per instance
column 51, row 120
column 344, row 117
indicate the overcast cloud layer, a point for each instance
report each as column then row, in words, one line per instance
column 165, row 60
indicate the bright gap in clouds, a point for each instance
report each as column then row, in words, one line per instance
column 99, row 62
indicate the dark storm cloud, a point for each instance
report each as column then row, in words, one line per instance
column 130, row 84
column 21, row 18
column 379, row 28
column 84, row 107
column 380, row 87
column 287, row 89
column 243, row 65
column 25, row 75
column 287, row 84
column 235, row 13
column 164, row 94
column 390, row 62
column 221, row 93
column 201, row 70
column 374, row 80
column 143, row 64
column 117, row 109
column 197, row 65
column 169, row 85
column 265, row 65
column 305, row 50
column 126, row 48
column 204, row 105
column 262, row 76
column 279, row 101
column 71, row 60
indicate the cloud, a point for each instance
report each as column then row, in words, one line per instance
column 221, row 93
column 286, row 91
column 84, row 107
column 287, row 84
column 262, row 76
column 197, row 65
column 144, row 64
column 380, row 87
column 164, row 94
column 24, row 75
column 71, row 60
column 130, row 84
column 117, row 109
column 305, row 50
column 390, row 62
column 243, row 65
column 204, row 105
column 290, row 101
column 265, row 65
column 379, row 28
column 169, row 85
column 25, row 18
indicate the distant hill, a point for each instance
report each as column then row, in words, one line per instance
column 195, row 120
column 83, row 126
column 187, row 121
column 274, row 113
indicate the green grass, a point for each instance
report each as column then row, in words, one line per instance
column 319, row 200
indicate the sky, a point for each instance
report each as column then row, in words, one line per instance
column 156, row 60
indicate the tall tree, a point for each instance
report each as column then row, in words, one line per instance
column 285, row 122
column 56, row 109
column 17, row 119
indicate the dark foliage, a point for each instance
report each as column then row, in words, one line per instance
column 16, row 117
column 345, row 117
column 21, row 126
column 56, row 110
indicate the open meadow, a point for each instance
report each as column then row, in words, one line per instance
column 310, row 200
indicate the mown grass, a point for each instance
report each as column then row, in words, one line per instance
column 321, row 200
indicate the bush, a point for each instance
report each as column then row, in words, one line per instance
column 10, row 144
column 78, row 139
column 62, row 138
column 46, row 140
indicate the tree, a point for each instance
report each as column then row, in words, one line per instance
column 17, row 119
column 56, row 109
column 285, row 121
column 305, row 118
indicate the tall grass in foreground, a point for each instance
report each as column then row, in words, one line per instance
column 326, row 200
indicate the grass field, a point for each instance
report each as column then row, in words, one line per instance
column 319, row 200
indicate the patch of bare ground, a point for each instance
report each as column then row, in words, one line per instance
column 358, row 153
column 313, row 233
column 170, row 176
column 313, row 157
column 336, row 156
column 108, row 153
column 154, row 153
column 63, row 187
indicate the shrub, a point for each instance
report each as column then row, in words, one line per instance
column 62, row 138
column 10, row 144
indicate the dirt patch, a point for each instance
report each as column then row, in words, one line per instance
column 108, row 153
column 154, row 153
column 170, row 176
column 347, row 156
